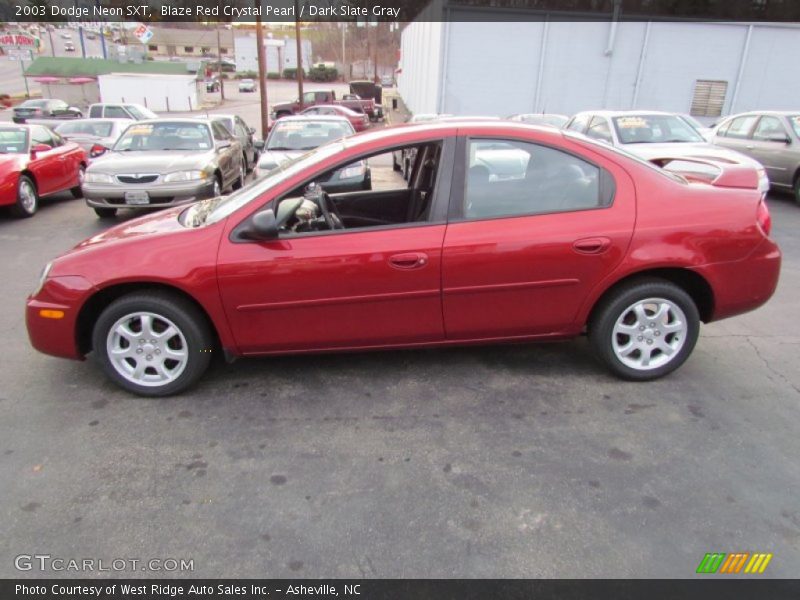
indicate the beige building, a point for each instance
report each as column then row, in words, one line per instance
column 190, row 42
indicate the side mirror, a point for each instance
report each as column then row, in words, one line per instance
column 40, row 148
column 221, row 145
column 263, row 226
column 258, row 144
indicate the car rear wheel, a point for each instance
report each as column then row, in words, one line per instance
column 76, row 191
column 152, row 343
column 106, row 213
column 645, row 329
column 239, row 183
column 27, row 198
column 797, row 188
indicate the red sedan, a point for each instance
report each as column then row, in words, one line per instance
column 504, row 232
column 36, row 162
column 359, row 120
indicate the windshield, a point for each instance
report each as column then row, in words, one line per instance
column 13, row 140
column 91, row 127
column 654, row 129
column 140, row 112
column 296, row 136
column 165, row 135
column 33, row 104
column 216, row 209
column 795, row 121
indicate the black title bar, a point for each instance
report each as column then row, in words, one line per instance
column 155, row 11
column 414, row 589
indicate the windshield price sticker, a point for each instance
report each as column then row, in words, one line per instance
column 631, row 122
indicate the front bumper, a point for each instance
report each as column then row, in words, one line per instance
column 161, row 195
column 57, row 336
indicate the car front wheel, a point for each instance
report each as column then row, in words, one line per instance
column 105, row 213
column 645, row 329
column 152, row 343
column 797, row 189
column 27, row 198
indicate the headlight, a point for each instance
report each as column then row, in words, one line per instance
column 98, row 178
column 43, row 277
column 185, row 176
column 355, row 171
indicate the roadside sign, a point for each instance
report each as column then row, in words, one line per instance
column 143, row 33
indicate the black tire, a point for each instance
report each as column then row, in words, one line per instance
column 106, row 213
column 76, row 191
column 26, row 205
column 619, row 302
column 797, row 188
column 188, row 320
column 239, row 183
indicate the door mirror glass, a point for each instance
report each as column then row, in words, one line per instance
column 778, row 137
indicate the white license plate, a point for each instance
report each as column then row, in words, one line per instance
column 137, row 198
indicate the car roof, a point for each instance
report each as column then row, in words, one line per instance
column 99, row 120
column 294, row 118
column 345, row 109
column 625, row 113
column 186, row 120
column 773, row 113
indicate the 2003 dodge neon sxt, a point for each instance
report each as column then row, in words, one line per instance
column 503, row 232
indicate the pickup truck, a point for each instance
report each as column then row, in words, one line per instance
column 326, row 97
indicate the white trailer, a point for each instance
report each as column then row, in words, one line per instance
column 159, row 93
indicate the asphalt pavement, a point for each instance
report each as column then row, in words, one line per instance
column 502, row 461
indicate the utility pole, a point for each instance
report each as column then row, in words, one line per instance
column 299, row 54
column 219, row 66
column 375, row 53
column 262, row 78
column 52, row 45
column 343, row 25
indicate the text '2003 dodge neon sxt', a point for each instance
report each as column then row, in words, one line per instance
column 502, row 232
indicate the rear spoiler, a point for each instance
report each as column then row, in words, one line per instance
column 719, row 172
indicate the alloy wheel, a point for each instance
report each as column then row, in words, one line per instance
column 147, row 349
column 649, row 333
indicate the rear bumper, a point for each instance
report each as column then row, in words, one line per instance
column 744, row 285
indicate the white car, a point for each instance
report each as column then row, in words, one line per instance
column 654, row 135
column 247, row 85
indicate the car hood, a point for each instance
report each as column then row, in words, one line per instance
column 151, row 162
column 691, row 149
column 274, row 157
column 161, row 222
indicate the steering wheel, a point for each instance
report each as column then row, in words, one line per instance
column 329, row 211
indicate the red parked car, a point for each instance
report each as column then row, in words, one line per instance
column 504, row 233
column 36, row 162
column 359, row 120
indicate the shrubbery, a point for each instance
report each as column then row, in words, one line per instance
column 292, row 73
column 323, row 73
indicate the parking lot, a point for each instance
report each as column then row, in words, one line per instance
column 505, row 461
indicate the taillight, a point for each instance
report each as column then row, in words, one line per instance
column 763, row 218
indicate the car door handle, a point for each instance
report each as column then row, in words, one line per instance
column 749, row 146
column 593, row 245
column 410, row 260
